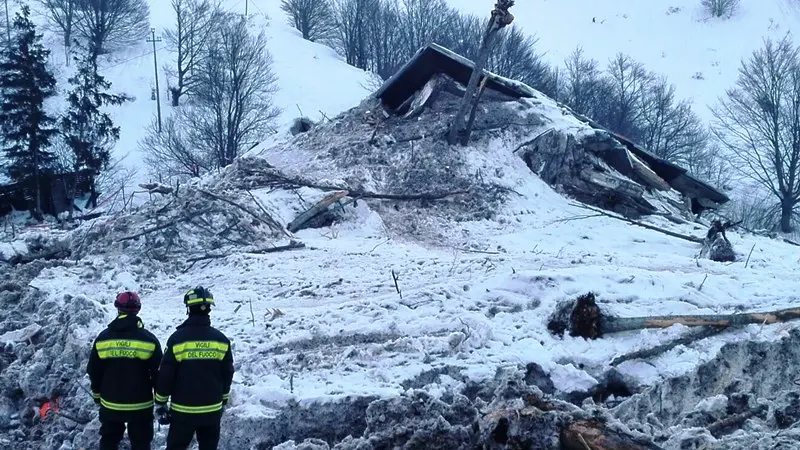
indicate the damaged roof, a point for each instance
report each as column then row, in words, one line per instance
column 677, row 176
column 434, row 59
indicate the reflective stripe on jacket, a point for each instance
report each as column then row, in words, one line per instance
column 196, row 372
column 123, row 368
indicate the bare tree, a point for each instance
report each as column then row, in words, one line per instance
column 720, row 8
column 515, row 57
column 462, row 33
column 584, row 83
column 110, row 24
column 194, row 26
column 709, row 163
column 386, row 48
column 421, row 22
column 313, row 18
column 759, row 122
column 60, row 16
column 628, row 81
column 352, row 30
column 669, row 129
column 230, row 109
column 170, row 152
column 756, row 212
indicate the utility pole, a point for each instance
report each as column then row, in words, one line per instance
column 245, row 7
column 154, row 39
column 8, row 28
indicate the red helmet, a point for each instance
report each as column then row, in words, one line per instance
column 128, row 301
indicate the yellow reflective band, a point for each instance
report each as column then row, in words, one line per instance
column 200, row 350
column 126, row 406
column 197, row 409
column 199, row 300
column 226, row 396
column 125, row 348
column 162, row 398
column 95, row 395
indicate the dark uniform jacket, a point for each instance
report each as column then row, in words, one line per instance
column 196, row 372
column 123, row 369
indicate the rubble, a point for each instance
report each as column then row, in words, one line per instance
column 43, row 359
column 751, row 382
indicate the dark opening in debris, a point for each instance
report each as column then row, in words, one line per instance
column 301, row 125
column 500, row 433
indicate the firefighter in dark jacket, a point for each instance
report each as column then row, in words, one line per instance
column 123, row 368
column 195, row 376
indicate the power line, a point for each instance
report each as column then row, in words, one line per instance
column 131, row 59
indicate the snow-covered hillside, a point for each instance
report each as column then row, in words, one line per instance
column 671, row 37
column 312, row 78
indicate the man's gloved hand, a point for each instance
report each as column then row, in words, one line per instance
column 163, row 415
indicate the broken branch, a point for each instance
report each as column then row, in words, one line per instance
column 275, row 224
column 688, row 338
column 749, row 255
column 293, row 245
column 150, row 230
column 396, row 286
column 641, row 224
column 232, row 203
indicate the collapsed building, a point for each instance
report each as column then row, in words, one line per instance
column 618, row 174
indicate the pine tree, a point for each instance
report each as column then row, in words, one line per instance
column 89, row 133
column 25, row 83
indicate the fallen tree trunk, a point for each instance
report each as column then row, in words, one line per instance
column 616, row 324
column 500, row 18
column 587, row 320
column 320, row 207
column 595, row 435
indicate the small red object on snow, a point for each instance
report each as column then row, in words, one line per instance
column 49, row 406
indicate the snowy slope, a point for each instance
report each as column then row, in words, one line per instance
column 672, row 37
column 476, row 299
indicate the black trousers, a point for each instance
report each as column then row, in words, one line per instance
column 140, row 433
column 181, row 433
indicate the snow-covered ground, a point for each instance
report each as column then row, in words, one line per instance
column 459, row 307
column 476, row 299
column 672, row 37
